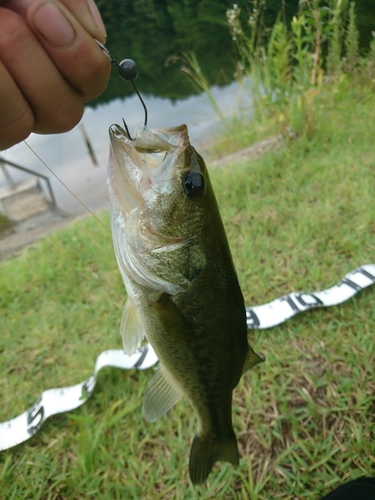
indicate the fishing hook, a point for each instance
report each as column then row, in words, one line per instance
column 128, row 71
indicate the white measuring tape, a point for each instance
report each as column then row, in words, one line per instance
column 279, row 310
column 54, row 401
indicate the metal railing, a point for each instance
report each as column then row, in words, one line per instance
column 12, row 184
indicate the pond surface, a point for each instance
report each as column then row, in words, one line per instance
column 68, row 157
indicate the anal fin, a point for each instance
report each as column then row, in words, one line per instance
column 161, row 394
column 131, row 329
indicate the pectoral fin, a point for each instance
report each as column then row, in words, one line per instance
column 161, row 394
column 131, row 329
column 252, row 359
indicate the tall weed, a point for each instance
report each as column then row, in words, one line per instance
column 351, row 41
column 290, row 66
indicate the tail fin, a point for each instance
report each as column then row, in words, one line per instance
column 205, row 452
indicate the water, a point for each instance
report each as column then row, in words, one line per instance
column 67, row 154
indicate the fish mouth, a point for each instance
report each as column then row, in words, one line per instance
column 147, row 163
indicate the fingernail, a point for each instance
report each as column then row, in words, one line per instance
column 97, row 17
column 52, row 24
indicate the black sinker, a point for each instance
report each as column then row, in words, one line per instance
column 128, row 70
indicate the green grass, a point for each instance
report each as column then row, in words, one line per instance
column 296, row 219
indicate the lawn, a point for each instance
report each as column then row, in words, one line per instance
column 297, row 219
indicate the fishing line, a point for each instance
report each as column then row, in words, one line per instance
column 66, row 187
column 60, row 400
column 128, row 71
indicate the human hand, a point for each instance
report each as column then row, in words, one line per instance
column 50, row 65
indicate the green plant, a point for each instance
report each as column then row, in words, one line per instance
column 369, row 65
column 351, row 41
column 287, row 66
column 334, row 51
column 248, row 40
column 301, row 54
column 196, row 76
column 5, row 223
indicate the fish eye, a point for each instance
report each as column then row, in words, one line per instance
column 193, row 184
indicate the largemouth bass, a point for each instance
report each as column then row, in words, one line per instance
column 183, row 291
